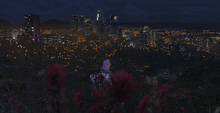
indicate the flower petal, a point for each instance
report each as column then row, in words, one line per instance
column 97, row 94
column 182, row 108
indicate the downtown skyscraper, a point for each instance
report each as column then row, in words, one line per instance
column 32, row 27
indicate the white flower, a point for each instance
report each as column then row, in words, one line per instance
column 155, row 81
column 106, row 77
column 93, row 78
column 148, row 80
column 151, row 81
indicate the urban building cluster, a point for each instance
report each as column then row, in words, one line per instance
column 84, row 34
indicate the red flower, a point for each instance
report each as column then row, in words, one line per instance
column 143, row 104
column 104, row 92
column 100, row 77
column 77, row 97
column 48, row 85
column 55, row 86
column 182, row 108
column 163, row 91
column 97, row 94
column 122, row 86
column 56, row 69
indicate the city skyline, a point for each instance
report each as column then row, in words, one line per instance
column 139, row 11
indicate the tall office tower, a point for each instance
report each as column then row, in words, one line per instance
column 153, row 36
column 32, row 27
column 87, row 21
column 82, row 18
column 113, row 19
column 98, row 18
column 207, row 42
column 146, row 34
column 131, row 34
column 113, row 26
column 98, row 23
column 75, row 21
column 119, row 32
column 87, row 25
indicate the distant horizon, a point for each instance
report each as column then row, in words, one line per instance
column 128, row 21
column 158, row 25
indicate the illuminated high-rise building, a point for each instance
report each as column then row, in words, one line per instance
column 87, row 25
column 153, row 35
column 113, row 26
column 32, row 27
column 82, row 19
column 75, row 20
column 113, row 19
column 98, row 23
column 207, row 42
column 87, row 20
column 98, row 18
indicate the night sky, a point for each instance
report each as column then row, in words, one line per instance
column 186, row 11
